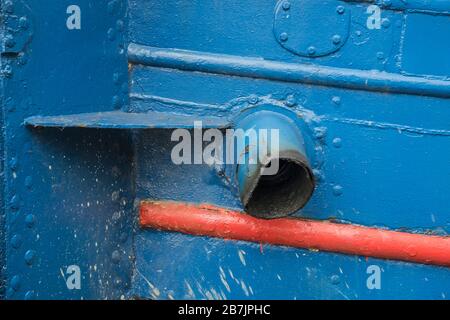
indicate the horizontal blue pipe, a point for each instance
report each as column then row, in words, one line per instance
column 283, row 71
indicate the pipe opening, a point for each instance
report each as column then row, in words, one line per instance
column 283, row 193
column 268, row 191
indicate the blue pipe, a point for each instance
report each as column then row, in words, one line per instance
column 369, row 80
column 280, row 181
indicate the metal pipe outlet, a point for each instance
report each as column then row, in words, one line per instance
column 274, row 176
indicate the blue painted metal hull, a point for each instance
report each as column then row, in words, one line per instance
column 86, row 134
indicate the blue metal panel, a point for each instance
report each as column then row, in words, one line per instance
column 199, row 26
column 381, row 136
column 374, row 113
column 207, row 268
column 423, row 54
column 59, row 185
column 359, row 144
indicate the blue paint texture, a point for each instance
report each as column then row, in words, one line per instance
column 63, row 190
column 373, row 108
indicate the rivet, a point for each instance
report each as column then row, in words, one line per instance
column 336, row 39
column 23, row 59
column 253, row 99
column 111, row 34
column 317, row 175
column 119, row 25
column 13, row 163
column 7, row 71
column 320, row 132
column 311, row 50
column 335, row 279
column 115, row 256
column 337, row 142
column 123, row 202
column 286, row 5
column 336, row 100
column 117, row 282
column 30, row 220
column 112, row 7
column 116, row 217
column 23, row 23
column 15, row 283
column 126, row 284
column 16, row 241
column 15, row 202
column 10, row 42
column 386, row 23
column 116, row 78
column 337, row 190
column 358, row 33
column 291, row 101
column 387, row 3
column 8, row 6
column 283, row 36
column 29, row 256
column 340, row 9
column 30, row 295
column 380, row 55
column 28, row 182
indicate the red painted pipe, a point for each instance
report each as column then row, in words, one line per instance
column 207, row 220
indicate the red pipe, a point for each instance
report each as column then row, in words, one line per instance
column 207, row 220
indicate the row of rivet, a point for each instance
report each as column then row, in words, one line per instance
column 320, row 135
column 335, row 39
